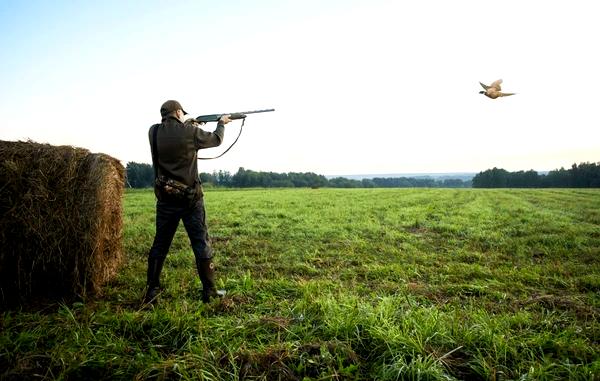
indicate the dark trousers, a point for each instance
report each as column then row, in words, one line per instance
column 168, row 215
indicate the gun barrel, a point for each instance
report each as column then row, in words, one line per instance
column 255, row 111
column 234, row 115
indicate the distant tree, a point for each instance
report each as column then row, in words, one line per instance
column 368, row 183
column 342, row 182
column 240, row 179
column 314, row 180
column 139, row 175
column 491, row 178
column 245, row 178
column 223, row 178
column 522, row 179
column 298, row 179
column 282, row 184
column 425, row 183
column 558, row 178
column 453, row 183
column 586, row 175
column 207, row 178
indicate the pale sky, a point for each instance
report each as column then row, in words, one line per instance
column 359, row 87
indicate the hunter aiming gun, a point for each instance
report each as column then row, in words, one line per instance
column 233, row 116
column 202, row 119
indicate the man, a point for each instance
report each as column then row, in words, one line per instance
column 174, row 145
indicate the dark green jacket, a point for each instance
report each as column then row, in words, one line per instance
column 178, row 144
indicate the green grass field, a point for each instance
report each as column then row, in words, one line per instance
column 330, row 284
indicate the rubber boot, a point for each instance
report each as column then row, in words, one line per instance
column 206, row 271
column 153, row 281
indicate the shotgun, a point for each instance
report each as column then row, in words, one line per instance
column 202, row 119
column 233, row 116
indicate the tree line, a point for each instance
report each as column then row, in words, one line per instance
column 141, row 175
column 584, row 175
column 398, row 182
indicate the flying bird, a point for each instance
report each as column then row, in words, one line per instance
column 493, row 90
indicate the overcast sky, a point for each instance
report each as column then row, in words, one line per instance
column 359, row 87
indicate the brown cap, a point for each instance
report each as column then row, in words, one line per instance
column 170, row 106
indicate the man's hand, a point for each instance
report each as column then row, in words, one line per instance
column 193, row 122
column 225, row 119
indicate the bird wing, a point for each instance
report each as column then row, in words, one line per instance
column 484, row 86
column 496, row 84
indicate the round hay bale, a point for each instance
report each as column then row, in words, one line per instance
column 60, row 221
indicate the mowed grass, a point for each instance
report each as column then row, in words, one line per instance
column 332, row 284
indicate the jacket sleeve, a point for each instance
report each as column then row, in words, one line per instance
column 205, row 139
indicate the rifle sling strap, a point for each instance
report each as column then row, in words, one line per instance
column 232, row 144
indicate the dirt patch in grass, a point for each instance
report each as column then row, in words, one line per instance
column 275, row 323
column 332, row 360
column 417, row 229
column 28, row 367
column 425, row 291
column 563, row 303
column 219, row 240
column 233, row 302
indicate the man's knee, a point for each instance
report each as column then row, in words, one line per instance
column 158, row 253
column 202, row 249
column 160, row 246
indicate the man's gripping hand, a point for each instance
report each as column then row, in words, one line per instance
column 192, row 122
column 224, row 119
